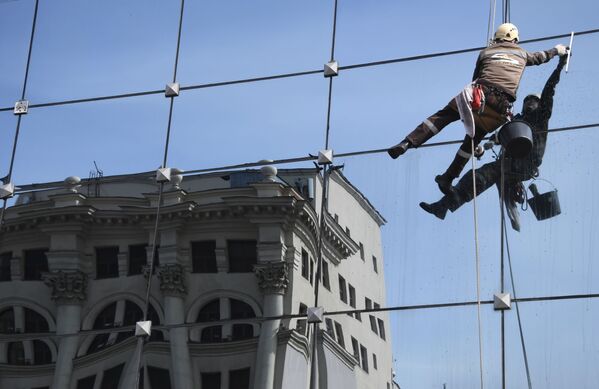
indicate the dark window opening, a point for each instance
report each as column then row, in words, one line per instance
column 111, row 377
column 7, row 321
column 87, row 382
column 373, row 324
column 107, row 262
column 239, row 379
column 209, row 312
column 330, row 329
column 36, row 263
column 41, row 353
column 339, row 331
column 5, row 266
column 243, row 255
column 132, row 315
column 361, row 251
column 352, row 299
column 159, row 378
column 325, row 275
column 242, row 331
column 211, row 380
column 16, row 353
column 138, row 258
column 305, row 265
column 381, row 329
column 356, row 349
column 34, row 322
column 212, row 334
column 342, row 289
column 203, row 256
column 104, row 320
column 375, row 265
column 302, row 324
column 364, row 354
column 374, row 362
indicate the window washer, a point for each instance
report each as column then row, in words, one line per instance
column 496, row 78
column 536, row 111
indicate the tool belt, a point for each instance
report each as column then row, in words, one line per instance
column 497, row 99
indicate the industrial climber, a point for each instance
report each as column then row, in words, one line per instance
column 536, row 111
column 493, row 90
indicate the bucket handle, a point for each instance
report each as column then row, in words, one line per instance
column 540, row 179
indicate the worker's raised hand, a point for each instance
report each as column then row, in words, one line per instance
column 561, row 50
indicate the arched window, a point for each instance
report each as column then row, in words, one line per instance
column 34, row 323
column 7, row 321
column 241, row 310
column 108, row 318
column 218, row 333
column 210, row 312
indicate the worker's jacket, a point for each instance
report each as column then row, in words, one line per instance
column 501, row 66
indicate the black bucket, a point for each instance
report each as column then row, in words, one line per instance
column 516, row 138
column 545, row 205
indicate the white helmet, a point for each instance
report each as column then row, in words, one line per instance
column 506, row 32
column 533, row 96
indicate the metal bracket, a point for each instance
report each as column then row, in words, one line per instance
column 21, row 107
column 7, row 191
column 325, row 157
column 331, row 69
column 315, row 314
column 163, row 174
column 502, row 301
column 171, row 90
column 143, row 328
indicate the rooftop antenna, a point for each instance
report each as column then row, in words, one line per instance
column 95, row 176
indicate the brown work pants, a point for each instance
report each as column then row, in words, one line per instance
column 484, row 123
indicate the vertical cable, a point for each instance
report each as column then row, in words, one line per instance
column 476, row 254
column 323, row 212
column 502, row 262
column 141, row 340
column 8, row 177
column 522, row 343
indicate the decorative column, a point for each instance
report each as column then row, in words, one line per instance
column 273, row 280
column 174, row 290
column 68, row 291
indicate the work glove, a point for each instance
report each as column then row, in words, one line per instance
column 561, row 50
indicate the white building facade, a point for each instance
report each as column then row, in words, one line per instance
column 231, row 248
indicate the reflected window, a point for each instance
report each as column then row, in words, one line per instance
column 111, row 377
column 305, row 265
column 211, row 380
column 7, row 321
column 41, row 353
column 159, row 378
column 203, row 256
column 87, row 382
column 107, row 262
column 138, row 258
column 239, row 379
column 356, row 349
column 342, row 289
column 325, row 275
column 212, row 312
column 375, row 265
column 243, row 255
column 16, row 353
column 364, row 355
column 5, row 266
column 339, row 331
column 381, row 329
column 301, row 325
column 36, row 263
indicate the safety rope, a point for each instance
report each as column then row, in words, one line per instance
column 476, row 254
column 8, row 178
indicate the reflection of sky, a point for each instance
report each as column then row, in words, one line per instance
column 86, row 49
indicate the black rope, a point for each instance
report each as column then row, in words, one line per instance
column 299, row 74
column 8, row 178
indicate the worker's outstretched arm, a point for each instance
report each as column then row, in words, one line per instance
column 549, row 89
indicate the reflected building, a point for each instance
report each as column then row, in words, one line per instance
column 231, row 247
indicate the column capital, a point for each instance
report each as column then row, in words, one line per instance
column 273, row 277
column 67, row 286
column 172, row 279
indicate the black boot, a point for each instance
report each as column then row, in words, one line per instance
column 399, row 149
column 453, row 171
column 444, row 181
column 439, row 209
